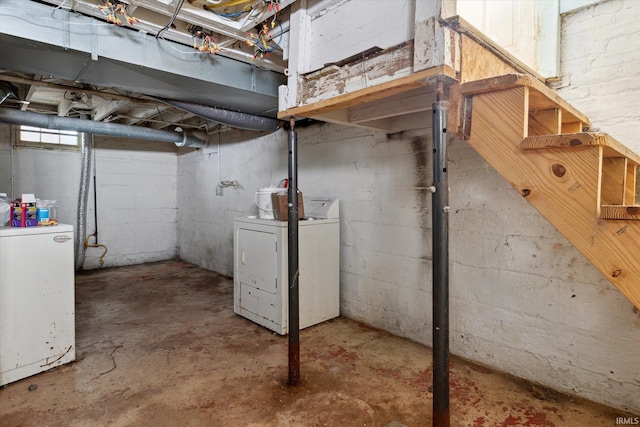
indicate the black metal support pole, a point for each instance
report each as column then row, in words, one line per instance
column 440, row 225
column 95, row 207
column 294, row 311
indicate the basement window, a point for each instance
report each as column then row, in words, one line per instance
column 47, row 138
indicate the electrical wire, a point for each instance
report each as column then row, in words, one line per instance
column 232, row 16
column 259, row 42
column 229, row 16
column 24, row 15
column 27, row 17
column 173, row 18
column 277, row 44
column 228, row 3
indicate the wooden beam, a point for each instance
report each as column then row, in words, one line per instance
column 107, row 108
column 477, row 63
column 341, row 117
column 28, row 97
column 372, row 93
column 409, row 102
column 153, row 16
column 65, row 88
column 370, row 70
column 458, row 24
column 418, row 120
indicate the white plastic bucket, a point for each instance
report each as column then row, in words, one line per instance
column 263, row 201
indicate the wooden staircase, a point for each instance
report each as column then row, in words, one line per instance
column 583, row 183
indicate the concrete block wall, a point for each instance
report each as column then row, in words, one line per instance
column 137, row 210
column 599, row 67
column 205, row 221
column 136, row 194
column 599, row 63
column 356, row 27
column 523, row 300
column 49, row 174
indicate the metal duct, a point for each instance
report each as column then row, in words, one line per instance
column 196, row 139
column 86, row 143
column 226, row 117
column 46, row 121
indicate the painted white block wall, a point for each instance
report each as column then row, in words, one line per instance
column 136, row 194
column 137, row 210
column 205, row 221
column 600, row 64
column 523, row 299
column 49, row 174
column 354, row 26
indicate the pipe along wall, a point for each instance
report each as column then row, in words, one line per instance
column 47, row 121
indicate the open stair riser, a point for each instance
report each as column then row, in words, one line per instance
column 616, row 198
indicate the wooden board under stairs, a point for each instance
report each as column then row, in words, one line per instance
column 561, row 179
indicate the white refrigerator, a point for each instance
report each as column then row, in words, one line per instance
column 37, row 302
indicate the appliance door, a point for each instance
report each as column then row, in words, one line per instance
column 37, row 330
column 258, row 266
column 258, row 295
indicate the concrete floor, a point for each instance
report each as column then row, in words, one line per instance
column 159, row 345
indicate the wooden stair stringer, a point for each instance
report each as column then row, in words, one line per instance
column 562, row 185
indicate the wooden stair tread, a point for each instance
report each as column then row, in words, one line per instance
column 613, row 148
column 620, row 212
column 540, row 98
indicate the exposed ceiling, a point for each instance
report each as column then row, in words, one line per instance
column 116, row 58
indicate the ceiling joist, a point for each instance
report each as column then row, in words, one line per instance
column 230, row 35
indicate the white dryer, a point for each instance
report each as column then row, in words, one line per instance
column 261, row 267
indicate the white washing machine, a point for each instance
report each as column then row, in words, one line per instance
column 260, row 267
